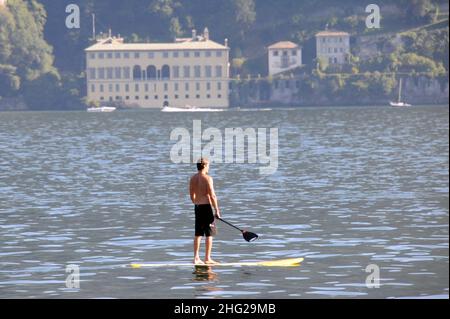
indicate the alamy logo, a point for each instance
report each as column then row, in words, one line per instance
column 373, row 279
column 73, row 279
column 262, row 146
column 73, row 19
column 374, row 18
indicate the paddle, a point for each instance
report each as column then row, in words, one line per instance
column 248, row 236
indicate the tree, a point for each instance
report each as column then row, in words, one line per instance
column 175, row 27
column 9, row 81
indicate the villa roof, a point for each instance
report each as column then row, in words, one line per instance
column 332, row 34
column 111, row 44
column 284, row 45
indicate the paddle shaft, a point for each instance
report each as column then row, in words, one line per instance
column 230, row 224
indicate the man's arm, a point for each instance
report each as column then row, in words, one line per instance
column 212, row 197
column 191, row 190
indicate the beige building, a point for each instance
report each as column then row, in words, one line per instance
column 284, row 56
column 190, row 71
column 333, row 47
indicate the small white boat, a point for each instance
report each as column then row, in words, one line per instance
column 101, row 109
column 189, row 108
column 399, row 102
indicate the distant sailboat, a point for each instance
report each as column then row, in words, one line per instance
column 399, row 101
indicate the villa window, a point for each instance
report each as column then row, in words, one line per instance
column 118, row 72
column 176, row 72
column 165, row 72
column 101, row 73
column 137, row 73
column 186, row 54
column 151, row 55
column 197, row 54
column 126, row 55
column 110, row 55
column 92, row 73
column 151, row 72
column 208, row 71
column 126, row 72
column 137, row 55
column 187, row 71
column 197, row 72
column 117, row 55
column 219, row 54
column 109, row 73
column 218, row 71
column 208, row 54
column 175, row 54
column 275, row 53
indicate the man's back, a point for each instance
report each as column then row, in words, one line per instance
column 200, row 188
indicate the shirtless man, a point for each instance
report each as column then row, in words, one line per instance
column 203, row 196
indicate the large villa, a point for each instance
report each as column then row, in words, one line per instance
column 188, row 72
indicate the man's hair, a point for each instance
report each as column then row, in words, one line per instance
column 201, row 163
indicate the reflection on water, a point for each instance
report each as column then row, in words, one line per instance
column 204, row 274
column 355, row 186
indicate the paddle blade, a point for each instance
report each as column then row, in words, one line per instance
column 249, row 236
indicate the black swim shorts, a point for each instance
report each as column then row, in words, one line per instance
column 204, row 221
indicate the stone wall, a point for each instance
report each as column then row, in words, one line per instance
column 288, row 92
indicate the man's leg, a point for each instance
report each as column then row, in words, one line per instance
column 208, row 242
column 197, row 241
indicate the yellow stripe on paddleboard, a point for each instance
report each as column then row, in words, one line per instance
column 291, row 262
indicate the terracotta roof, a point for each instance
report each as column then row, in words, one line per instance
column 284, row 45
column 186, row 45
column 332, row 34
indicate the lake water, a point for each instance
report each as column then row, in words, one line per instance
column 354, row 187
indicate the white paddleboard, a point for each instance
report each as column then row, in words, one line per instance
column 291, row 262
